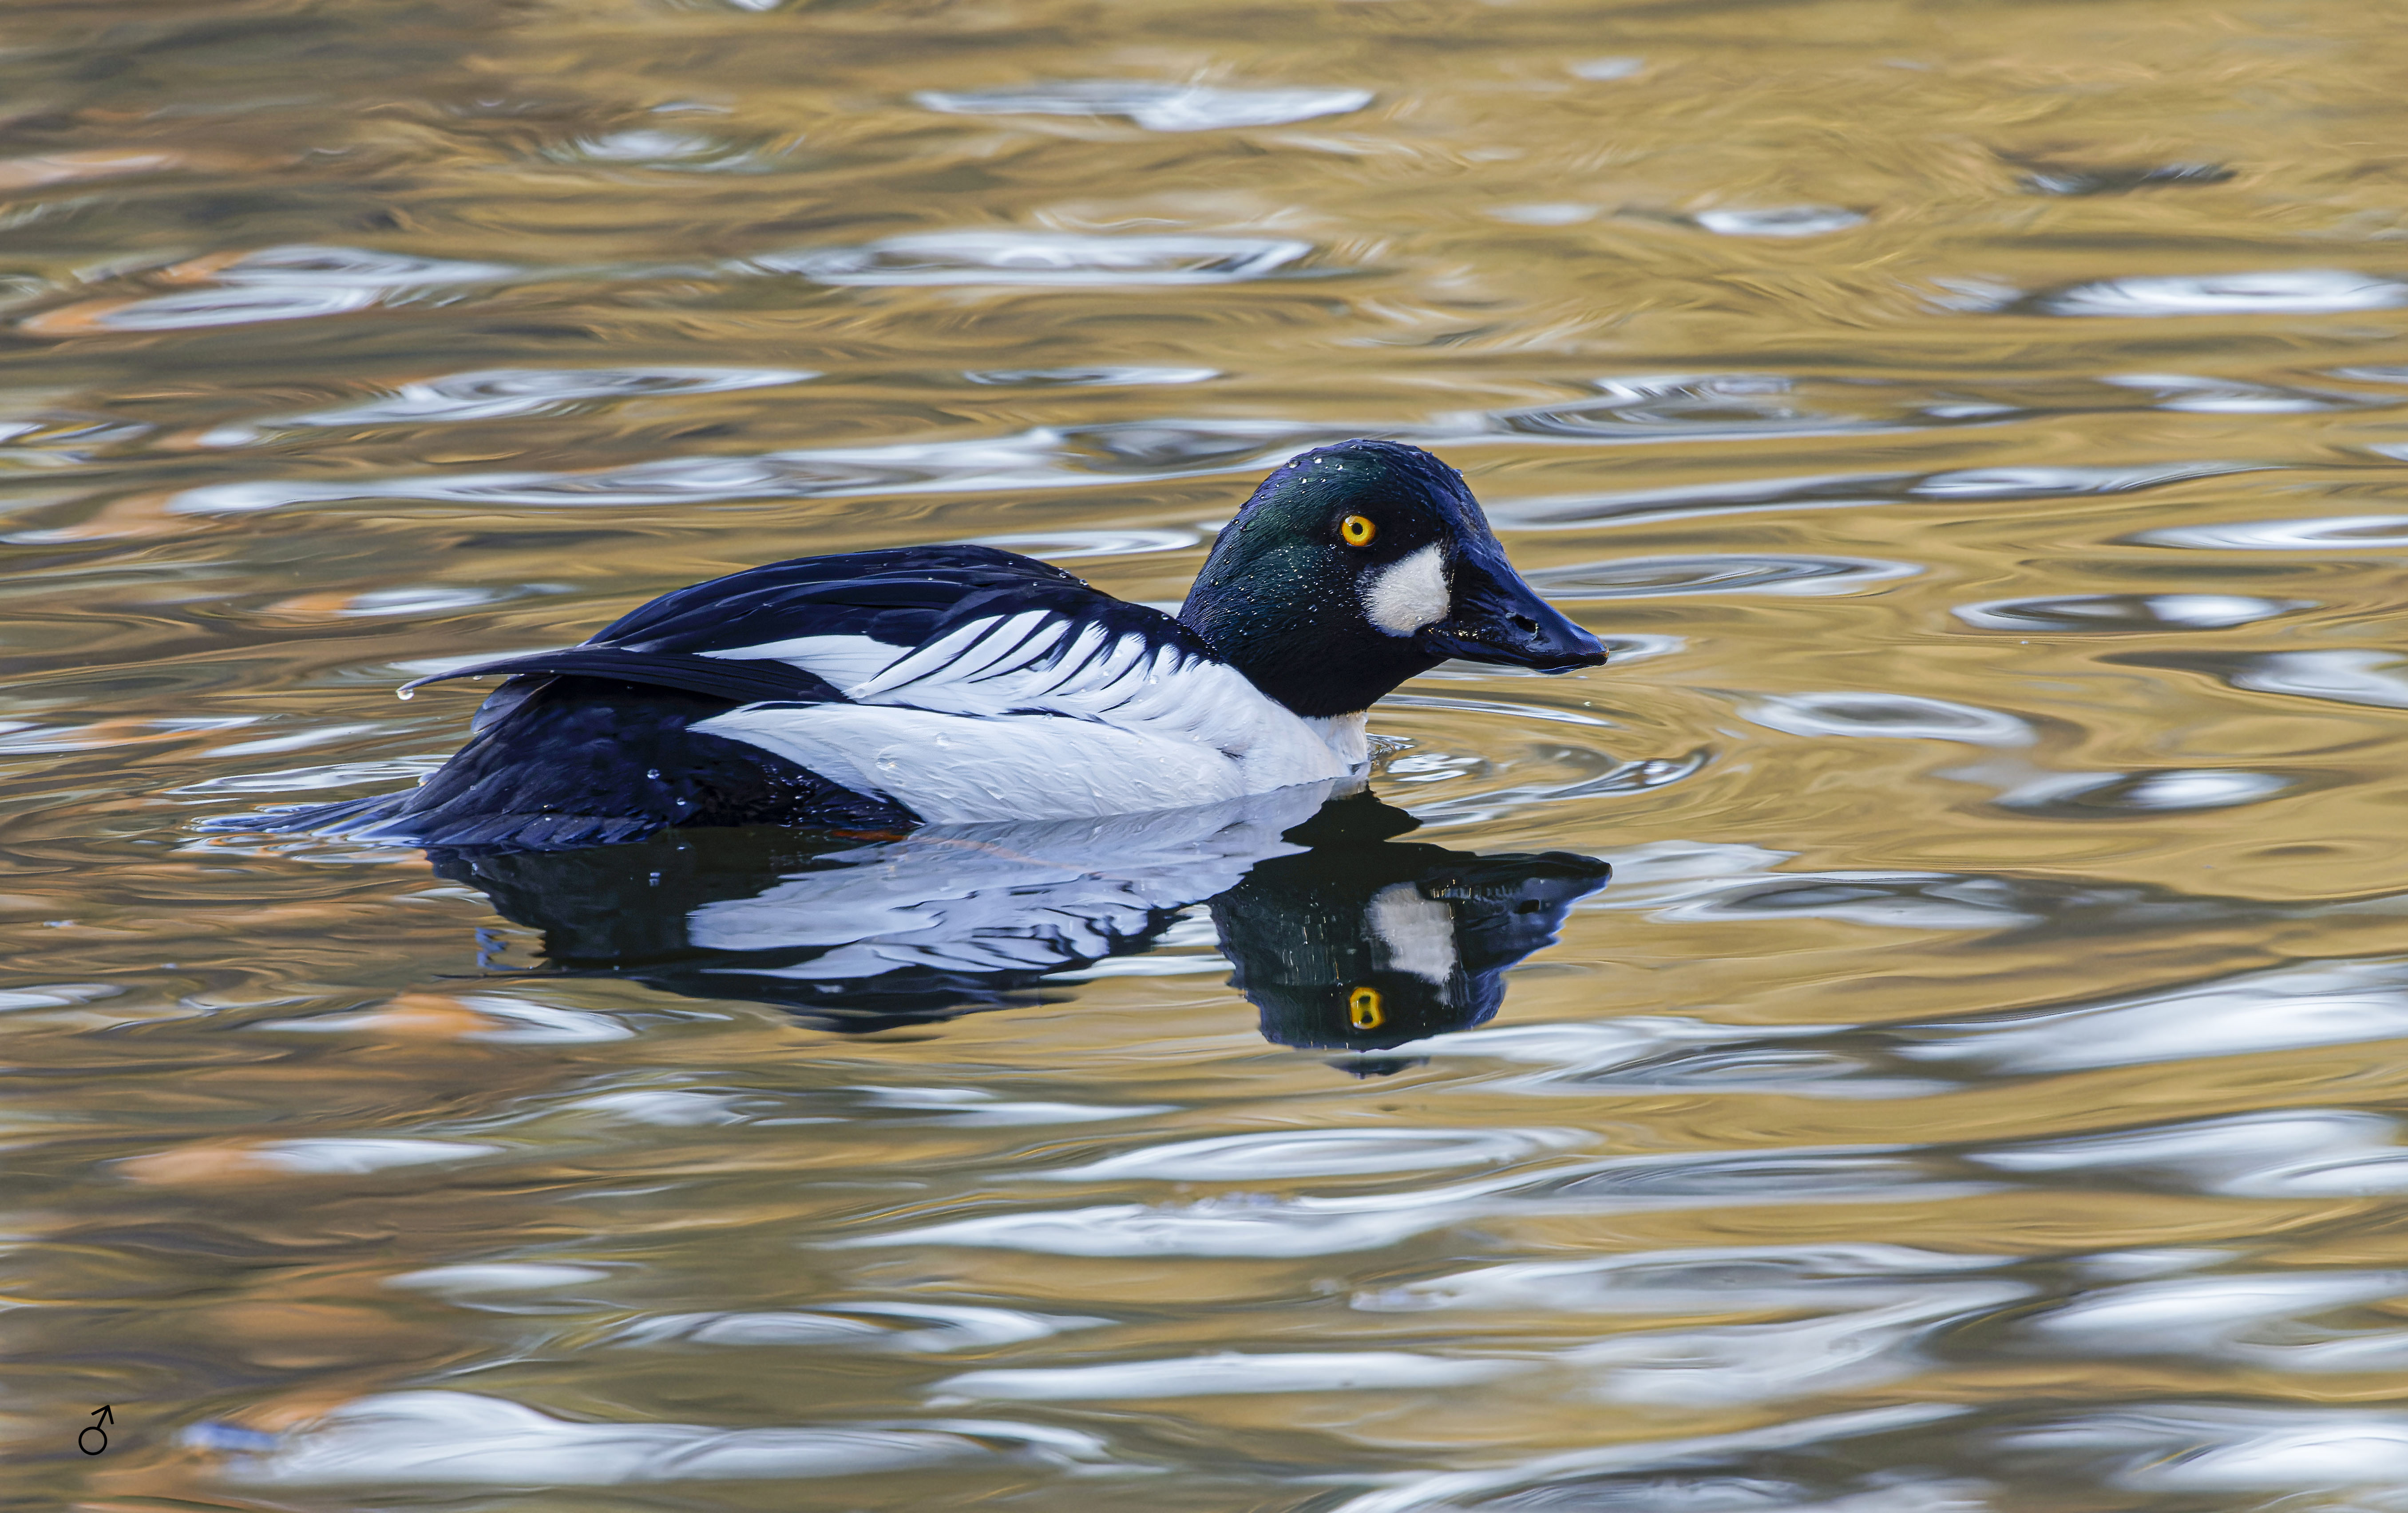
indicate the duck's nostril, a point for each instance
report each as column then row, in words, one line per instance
column 1525, row 624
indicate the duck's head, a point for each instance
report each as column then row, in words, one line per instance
column 1357, row 565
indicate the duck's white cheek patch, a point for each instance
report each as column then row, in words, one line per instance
column 1409, row 594
column 1412, row 934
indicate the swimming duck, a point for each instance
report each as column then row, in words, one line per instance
column 960, row 684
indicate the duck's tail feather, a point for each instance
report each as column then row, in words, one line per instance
column 738, row 682
column 591, row 761
column 344, row 815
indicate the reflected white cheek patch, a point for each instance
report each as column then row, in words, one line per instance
column 1412, row 934
column 1409, row 594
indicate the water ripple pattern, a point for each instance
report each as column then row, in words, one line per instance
column 972, row 257
column 1158, row 108
column 1923, row 1029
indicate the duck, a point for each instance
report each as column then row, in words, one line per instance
column 961, row 684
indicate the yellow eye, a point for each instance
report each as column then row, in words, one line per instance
column 1358, row 531
column 1363, row 1009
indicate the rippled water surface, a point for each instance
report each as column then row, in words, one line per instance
column 1978, row 428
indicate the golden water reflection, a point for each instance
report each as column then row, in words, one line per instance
column 1976, row 429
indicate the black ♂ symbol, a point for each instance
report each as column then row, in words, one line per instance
column 100, row 1416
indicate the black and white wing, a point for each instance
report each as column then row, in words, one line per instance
column 910, row 677
column 956, row 630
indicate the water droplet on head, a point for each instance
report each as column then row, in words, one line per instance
column 404, row 694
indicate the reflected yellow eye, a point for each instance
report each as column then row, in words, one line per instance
column 1363, row 1009
column 1358, row 531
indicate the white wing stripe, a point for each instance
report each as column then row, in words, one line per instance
column 933, row 654
column 972, row 649
column 839, row 659
column 963, row 656
column 1126, row 656
column 1086, row 659
column 1024, row 637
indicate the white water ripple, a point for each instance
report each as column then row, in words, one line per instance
column 476, row 1279
column 1736, row 1279
column 1055, row 259
column 1158, row 108
column 1225, row 1375
column 2322, row 1003
column 1040, row 458
column 1454, row 1492
column 450, row 1439
column 2330, row 533
column 1064, row 546
column 504, row 394
column 2220, row 1448
column 1785, row 221
column 2105, row 613
column 1239, row 1157
column 294, row 283
column 2343, row 675
column 931, row 1328
column 2079, row 794
column 1792, row 1321
column 2263, row 1317
column 2279, row 291
column 1266, row 1227
column 1889, row 716
column 1653, row 577
column 2294, row 1153
column 336, row 1156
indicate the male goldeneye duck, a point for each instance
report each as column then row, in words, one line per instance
column 959, row 684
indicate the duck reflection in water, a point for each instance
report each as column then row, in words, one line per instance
column 1342, row 935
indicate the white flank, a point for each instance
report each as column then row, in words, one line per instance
column 1412, row 934
column 970, row 726
column 1409, row 594
column 952, row 770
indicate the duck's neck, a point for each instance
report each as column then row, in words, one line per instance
column 1314, row 655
